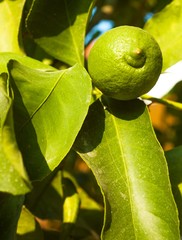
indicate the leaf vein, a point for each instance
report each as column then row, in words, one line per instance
column 125, row 167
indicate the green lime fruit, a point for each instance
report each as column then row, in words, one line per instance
column 125, row 62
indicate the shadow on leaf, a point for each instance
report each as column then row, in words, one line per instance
column 92, row 130
column 126, row 110
column 34, row 161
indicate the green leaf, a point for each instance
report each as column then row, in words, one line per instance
column 5, row 100
column 49, row 109
column 12, row 171
column 120, row 147
column 71, row 207
column 166, row 27
column 71, row 202
column 9, row 215
column 174, row 160
column 6, row 57
column 28, row 228
column 90, row 216
column 59, row 27
column 10, row 18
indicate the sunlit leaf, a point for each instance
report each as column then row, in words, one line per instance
column 166, row 27
column 49, row 109
column 12, row 172
column 90, row 213
column 27, row 227
column 120, row 147
column 7, row 56
column 59, row 27
column 10, row 18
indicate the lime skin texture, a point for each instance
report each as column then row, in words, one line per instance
column 125, row 62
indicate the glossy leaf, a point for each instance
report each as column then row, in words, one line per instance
column 10, row 18
column 120, row 147
column 166, row 27
column 49, row 109
column 7, row 56
column 174, row 160
column 9, row 215
column 12, row 171
column 59, row 27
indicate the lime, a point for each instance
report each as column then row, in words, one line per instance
column 125, row 62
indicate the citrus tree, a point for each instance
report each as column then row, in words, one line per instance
column 53, row 118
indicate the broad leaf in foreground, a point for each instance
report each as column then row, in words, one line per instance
column 49, row 109
column 167, row 25
column 120, row 147
column 12, row 172
column 59, row 26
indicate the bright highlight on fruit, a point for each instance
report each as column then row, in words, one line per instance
column 125, row 62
